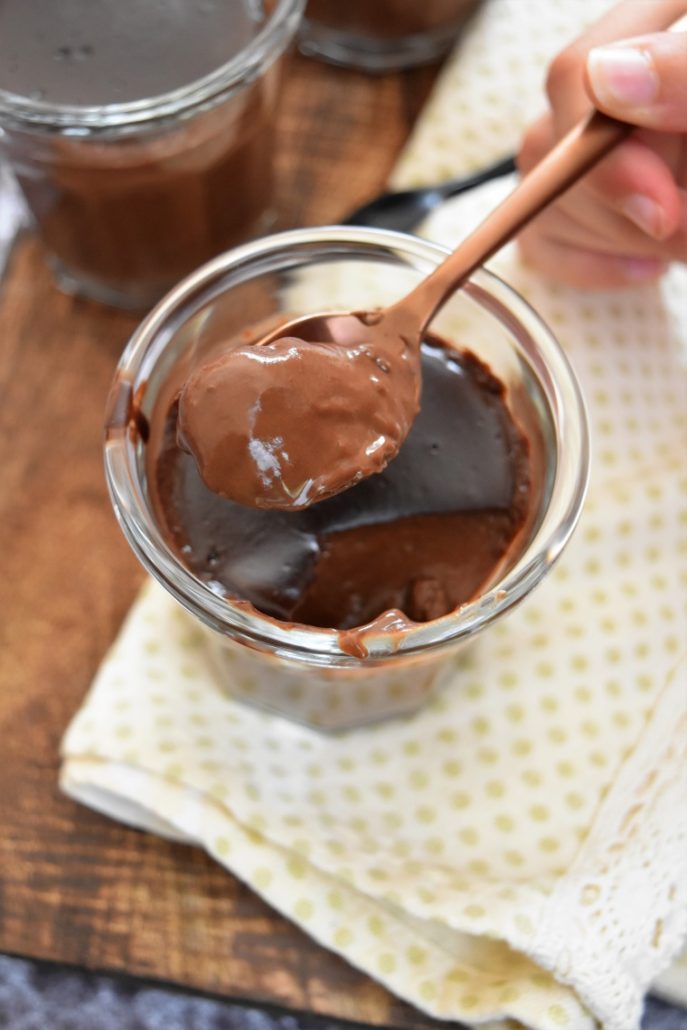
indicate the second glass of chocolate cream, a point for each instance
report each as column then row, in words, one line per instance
column 383, row 35
column 141, row 132
column 347, row 611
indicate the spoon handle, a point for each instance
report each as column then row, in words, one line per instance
column 578, row 151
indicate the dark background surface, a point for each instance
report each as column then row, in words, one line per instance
column 40, row 996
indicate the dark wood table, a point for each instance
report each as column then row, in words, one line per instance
column 75, row 887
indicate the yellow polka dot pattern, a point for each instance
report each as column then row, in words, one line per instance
column 492, row 88
column 512, row 851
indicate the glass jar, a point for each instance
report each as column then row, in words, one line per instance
column 129, row 197
column 310, row 674
column 384, row 35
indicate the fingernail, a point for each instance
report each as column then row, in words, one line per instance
column 622, row 75
column 642, row 269
column 646, row 214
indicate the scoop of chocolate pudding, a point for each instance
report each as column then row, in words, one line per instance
column 290, row 422
column 422, row 537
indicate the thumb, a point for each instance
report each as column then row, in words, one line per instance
column 642, row 80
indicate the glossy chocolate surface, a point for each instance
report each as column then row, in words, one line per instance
column 92, row 52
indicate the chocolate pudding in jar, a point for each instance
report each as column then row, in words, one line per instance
column 351, row 609
column 385, row 35
column 414, row 541
column 141, row 133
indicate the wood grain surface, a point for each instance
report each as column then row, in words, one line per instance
column 75, row 887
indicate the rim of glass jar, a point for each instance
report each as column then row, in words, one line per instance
column 313, row 645
column 86, row 120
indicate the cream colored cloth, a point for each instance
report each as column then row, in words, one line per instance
column 516, row 851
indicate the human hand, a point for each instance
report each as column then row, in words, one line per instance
column 627, row 219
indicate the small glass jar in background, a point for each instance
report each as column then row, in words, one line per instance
column 308, row 674
column 129, row 197
column 382, row 35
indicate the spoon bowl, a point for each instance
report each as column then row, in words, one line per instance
column 260, row 403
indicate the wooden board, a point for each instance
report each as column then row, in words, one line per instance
column 75, row 887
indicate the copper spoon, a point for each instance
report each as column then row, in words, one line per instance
column 296, row 423
column 586, row 143
column 578, row 151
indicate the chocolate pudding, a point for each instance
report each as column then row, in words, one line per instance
column 386, row 19
column 422, row 537
column 129, row 202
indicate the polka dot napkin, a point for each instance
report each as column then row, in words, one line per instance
column 514, row 854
